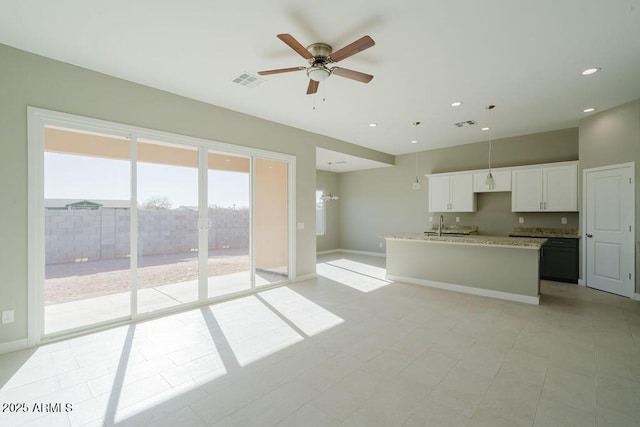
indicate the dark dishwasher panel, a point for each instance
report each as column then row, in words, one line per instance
column 559, row 260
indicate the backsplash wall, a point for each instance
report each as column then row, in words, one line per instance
column 494, row 216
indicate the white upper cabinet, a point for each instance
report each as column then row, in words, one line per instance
column 502, row 178
column 545, row 189
column 560, row 188
column 451, row 193
column 527, row 190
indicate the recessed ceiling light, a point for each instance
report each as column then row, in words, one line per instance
column 414, row 141
column 590, row 71
column 456, row 104
column 485, row 128
column 372, row 125
column 588, row 110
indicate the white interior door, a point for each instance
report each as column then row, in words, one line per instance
column 609, row 230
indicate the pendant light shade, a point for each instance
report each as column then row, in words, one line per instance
column 489, row 181
column 326, row 197
column 416, row 183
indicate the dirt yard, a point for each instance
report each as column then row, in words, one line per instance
column 76, row 281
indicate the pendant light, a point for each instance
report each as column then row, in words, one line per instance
column 329, row 196
column 416, row 183
column 489, row 180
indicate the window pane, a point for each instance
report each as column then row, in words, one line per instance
column 271, row 222
column 87, row 228
column 319, row 213
column 167, row 225
column 229, row 269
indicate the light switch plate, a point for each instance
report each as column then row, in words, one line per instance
column 8, row 316
column 457, row 219
column 521, row 220
column 430, row 219
column 301, row 226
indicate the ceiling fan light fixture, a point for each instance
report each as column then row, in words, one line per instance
column 318, row 73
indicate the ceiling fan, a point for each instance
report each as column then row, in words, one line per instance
column 319, row 56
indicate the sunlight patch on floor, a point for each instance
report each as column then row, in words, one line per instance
column 308, row 316
column 357, row 275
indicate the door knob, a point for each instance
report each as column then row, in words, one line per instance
column 589, row 235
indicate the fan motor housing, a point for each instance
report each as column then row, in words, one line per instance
column 320, row 52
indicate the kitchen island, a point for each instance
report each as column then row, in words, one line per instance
column 493, row 266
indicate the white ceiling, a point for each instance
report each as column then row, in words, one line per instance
column 333, row 161
column 523, row 56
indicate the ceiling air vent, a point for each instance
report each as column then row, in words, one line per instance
column 248, row 80
column 465, row 123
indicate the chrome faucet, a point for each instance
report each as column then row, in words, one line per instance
column 440, row 224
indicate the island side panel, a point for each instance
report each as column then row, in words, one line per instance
column 514, row 270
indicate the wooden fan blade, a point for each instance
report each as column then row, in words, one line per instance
column 353, row 75
column 295, row 45
column 313, row 87
column 357, row 46
column 280, row 70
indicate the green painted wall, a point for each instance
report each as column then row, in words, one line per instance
column 30, row 80
column 381, row 201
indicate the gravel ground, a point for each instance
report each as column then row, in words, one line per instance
column 75, row 281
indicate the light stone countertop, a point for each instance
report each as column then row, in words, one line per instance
column 567, row 233
column 501, row 241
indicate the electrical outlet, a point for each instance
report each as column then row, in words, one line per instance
column 8, row 316
column 457, row 219
column 521, row 220
column 563, row 220
column 301, row 226
column 430, row 219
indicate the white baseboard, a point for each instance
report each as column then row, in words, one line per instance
column 330, row 251
column 305, row 277
column 8, row 347
column 467, row 289
column 351, row 251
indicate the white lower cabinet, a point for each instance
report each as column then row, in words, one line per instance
column 451, row 193
column 545, row 189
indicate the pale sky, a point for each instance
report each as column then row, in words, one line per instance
column 81, row 177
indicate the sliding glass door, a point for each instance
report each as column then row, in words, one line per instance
column 271, row 222
column 137, row 222
column 86, row 225
column 229, row 215
column 167, row 241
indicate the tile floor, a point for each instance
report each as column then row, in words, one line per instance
column 74, row 314
column 349, row 348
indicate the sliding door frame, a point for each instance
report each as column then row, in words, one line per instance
column 38, row 119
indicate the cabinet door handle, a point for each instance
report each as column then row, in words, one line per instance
column 540, row 205
column 589, row 235
column 544, row 205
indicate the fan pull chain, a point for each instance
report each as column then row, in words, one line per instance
column 324, row 91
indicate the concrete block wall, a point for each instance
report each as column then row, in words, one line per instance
column 88, row 235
